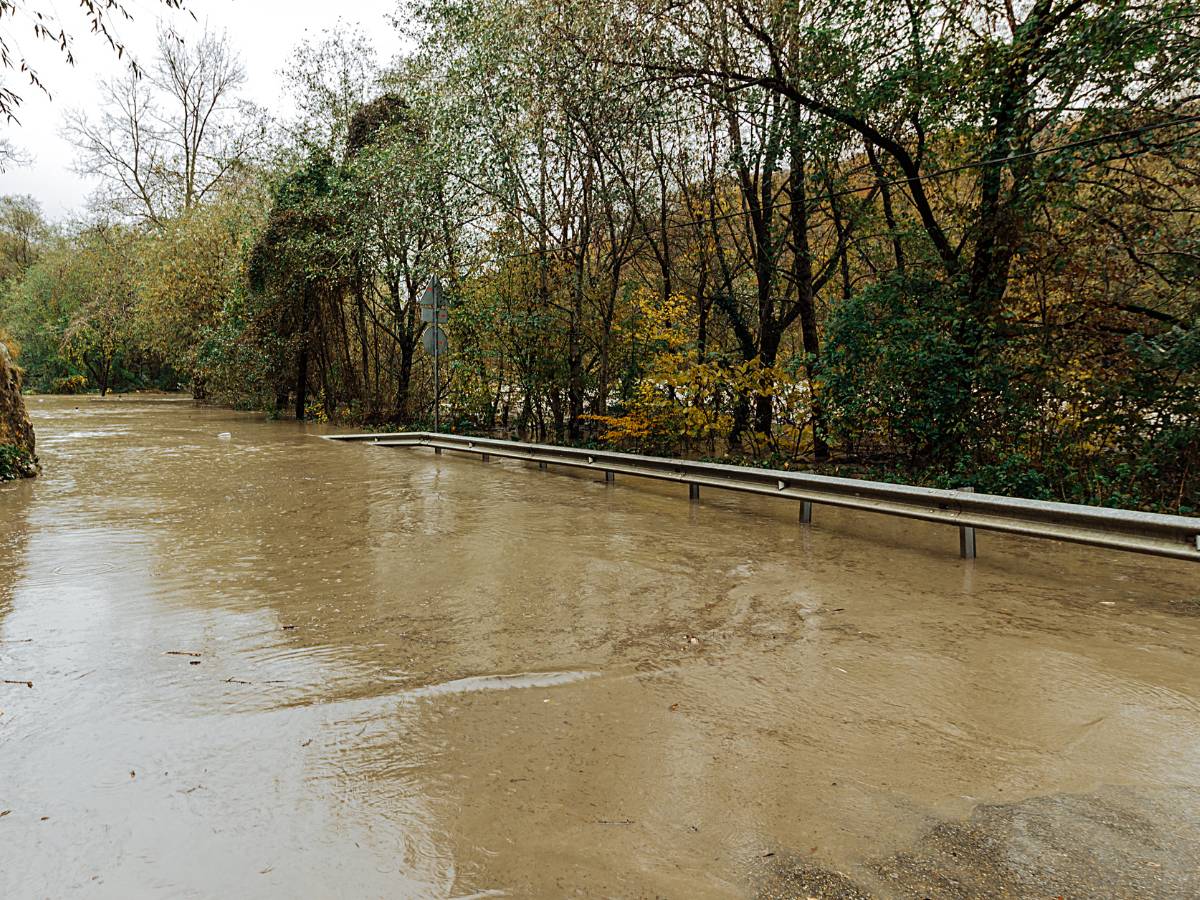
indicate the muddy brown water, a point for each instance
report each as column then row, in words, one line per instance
column 426, row 676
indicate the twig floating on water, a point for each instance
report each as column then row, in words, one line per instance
column 28, row 684
column 182, row 653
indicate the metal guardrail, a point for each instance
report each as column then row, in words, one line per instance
column 1177, row 537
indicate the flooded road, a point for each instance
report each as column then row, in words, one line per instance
column 267, row 665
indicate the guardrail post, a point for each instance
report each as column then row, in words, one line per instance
column 485, row 457
column 805, row 512
column 610, row 477
column 693, row 492
column 437, row 451
column 542, row 466
column 966, row 535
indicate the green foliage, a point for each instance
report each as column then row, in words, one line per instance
column 1126, row 434
column 16, row 463
column 895, row 369
column 187, row 271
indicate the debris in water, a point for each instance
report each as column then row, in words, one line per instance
column 290, row 627
column 225, row 436
column 194, row 662
column 132, row 773
column 28, row 684
column 674, row 706
column 182, row 653
column 4, row 812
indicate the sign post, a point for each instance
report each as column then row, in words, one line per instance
column 433, row 311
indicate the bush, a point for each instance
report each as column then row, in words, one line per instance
column 72, row 384
column 912, row 392
column 894, row 372
column 16, row 463
column 1014, row 475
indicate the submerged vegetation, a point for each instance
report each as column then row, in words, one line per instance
column 710, row 227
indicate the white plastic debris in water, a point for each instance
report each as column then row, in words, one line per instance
column 225, row 436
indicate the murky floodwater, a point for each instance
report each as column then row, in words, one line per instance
column 271, row 666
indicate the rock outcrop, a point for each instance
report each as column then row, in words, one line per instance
column 17, row 456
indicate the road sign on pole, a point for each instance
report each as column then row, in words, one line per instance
column 434, row 311
column 435, row 342
column 433, row 298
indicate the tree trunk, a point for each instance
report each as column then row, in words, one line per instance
column 802, row 272
column 301, row 381
column 404, row 382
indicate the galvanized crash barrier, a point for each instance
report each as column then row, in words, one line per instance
column 1177, row 537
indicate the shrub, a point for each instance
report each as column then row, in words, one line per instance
column 72, row 384
column 894, row 371
column 16, row 463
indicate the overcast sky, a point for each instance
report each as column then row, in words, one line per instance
column 264, row 32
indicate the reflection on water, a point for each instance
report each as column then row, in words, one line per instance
column 267, row 665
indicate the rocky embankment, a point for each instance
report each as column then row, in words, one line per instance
column 17, row 458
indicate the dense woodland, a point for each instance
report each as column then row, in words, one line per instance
column 944, row 241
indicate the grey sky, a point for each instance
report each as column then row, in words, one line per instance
column 264, row 32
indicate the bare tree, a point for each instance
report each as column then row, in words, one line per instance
column 164, row 143
column 330, row 79
column 11, row 156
